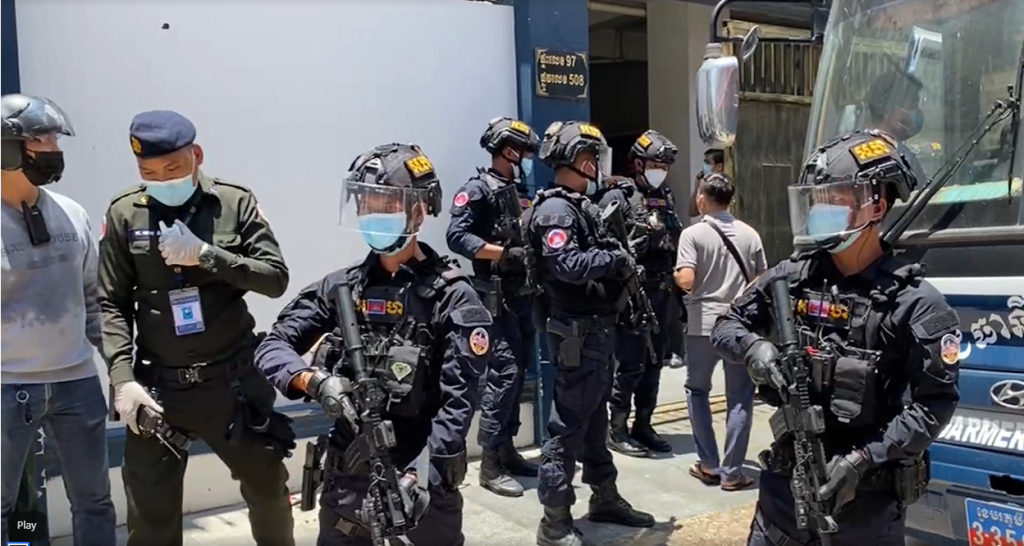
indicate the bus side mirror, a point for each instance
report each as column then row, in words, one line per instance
column 718, row 92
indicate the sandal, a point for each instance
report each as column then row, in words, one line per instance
column 705, row 477
column 738, row 485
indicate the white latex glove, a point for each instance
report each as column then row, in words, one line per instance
column 128, row 398
column 178, row 245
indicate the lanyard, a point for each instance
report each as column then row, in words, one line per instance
column 179, row 277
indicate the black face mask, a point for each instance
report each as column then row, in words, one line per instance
column 43, row 168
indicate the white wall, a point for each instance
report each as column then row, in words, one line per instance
column 677, row 33
column 284, row 96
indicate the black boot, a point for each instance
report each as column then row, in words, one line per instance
column 608, row 506
column 556, row 528
column 495, row 479
column 645, row 434
column 619, row 440
column 515, row 464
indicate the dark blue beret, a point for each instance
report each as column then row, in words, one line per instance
column 160, row 132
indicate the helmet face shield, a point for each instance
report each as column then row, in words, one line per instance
column 825, row 215
column 384, row 216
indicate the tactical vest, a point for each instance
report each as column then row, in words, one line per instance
column 851, row 376
column 399, row 326
column 504, row 201
column 586, row 298
column 659, row 211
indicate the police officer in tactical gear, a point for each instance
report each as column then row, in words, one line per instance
column 426, row 337
column 871, row 327
column 655, row 233
column 581, row 269
column 178, row 252
column 485, row 228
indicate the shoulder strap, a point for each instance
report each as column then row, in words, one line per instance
column 732, row 248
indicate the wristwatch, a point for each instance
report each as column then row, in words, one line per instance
column 206, row 258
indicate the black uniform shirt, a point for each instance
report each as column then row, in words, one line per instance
column 915, row 336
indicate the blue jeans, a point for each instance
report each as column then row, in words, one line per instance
column 73, row 415
column 739, row 396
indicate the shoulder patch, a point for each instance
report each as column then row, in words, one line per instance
column 127, row 192
column 949, row 349
column 479, row 341
column 556, row 238
column 461, row 199
column 239, row 187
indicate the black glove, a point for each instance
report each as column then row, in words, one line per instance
column 512, row 259
column 640, row 245
column 335, row 396
column 844, row 473
column 415, row 498
column 762, row 361
column 625, row 265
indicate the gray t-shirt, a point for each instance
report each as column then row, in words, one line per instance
column 51, row 316
column 718, row 279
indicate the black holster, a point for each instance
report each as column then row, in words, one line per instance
column 911, row 479
column 489, row 291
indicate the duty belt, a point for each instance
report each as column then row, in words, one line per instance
column 203, row 372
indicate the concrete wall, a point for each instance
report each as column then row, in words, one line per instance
column 677, row 33
column 284, row 97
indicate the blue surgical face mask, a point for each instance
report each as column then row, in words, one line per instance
column 826, row 221
column 173, row 193
column 526, row 167
column 591, row 187
column 707, row 169
column 846, row 244
column 383, row 230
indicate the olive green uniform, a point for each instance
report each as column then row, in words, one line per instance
column 205, row 381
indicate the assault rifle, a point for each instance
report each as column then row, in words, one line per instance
column 383, row 511
column 797, row 420
column 642, row 313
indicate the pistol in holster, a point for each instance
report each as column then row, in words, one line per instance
column 312, row 472
column 911, row 479
column 489, row 291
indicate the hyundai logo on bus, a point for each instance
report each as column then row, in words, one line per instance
column 1008, row 394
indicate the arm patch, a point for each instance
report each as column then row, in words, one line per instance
column 471, row 315
column 939, row 322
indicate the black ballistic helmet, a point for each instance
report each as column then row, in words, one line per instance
column 869, row 156
column 563, row 141
column 397, row 166
column 502, row 132
column 654, row 146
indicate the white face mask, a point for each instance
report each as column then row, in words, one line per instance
column 655, row 177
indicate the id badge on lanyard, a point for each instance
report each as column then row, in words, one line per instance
column 186, row 306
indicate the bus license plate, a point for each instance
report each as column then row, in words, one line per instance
column 991, row 524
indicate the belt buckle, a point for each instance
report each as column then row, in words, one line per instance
column 188, row 376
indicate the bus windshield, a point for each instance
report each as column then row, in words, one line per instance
column 929, row 72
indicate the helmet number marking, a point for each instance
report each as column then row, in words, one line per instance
column 869, row 151
column 419, row 166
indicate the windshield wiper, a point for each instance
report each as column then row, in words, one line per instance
column 1000, row 111
column 1015, row 125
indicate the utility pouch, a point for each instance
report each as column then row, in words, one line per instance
column 571, row 345
column 911, row 479
column 854, row 389
column 489, row 291
column 404, row 381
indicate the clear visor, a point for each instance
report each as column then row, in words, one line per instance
column 829, row 213
column 382, row 215
column 604, row 160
